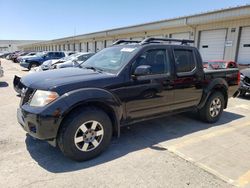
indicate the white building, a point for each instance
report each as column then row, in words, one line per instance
column 12, row 45
column 220, row 34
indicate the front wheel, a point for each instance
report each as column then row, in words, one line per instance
column 85, row 134
column 213, row 108
column 32, row 65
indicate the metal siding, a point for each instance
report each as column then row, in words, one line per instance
column 185, row 35
column 212, row 44
column 244, row 46
column 157, row 36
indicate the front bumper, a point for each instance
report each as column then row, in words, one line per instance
column 41, row 122
column 38, row 126
column 24, row 64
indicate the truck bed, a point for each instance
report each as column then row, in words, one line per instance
column 230, row 75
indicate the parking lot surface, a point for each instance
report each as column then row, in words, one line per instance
column 176, row 151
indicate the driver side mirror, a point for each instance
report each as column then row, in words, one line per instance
column 142, row 70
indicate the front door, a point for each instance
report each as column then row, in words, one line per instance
column 150, row 94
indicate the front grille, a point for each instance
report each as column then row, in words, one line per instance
column 247, row 80
column 25, row 95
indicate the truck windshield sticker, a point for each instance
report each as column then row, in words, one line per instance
column 127, row 49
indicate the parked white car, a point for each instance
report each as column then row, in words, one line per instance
column 69, row 61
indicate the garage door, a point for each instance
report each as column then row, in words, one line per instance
column 71, row 47
column 185, row 35
column 212, row 44
column 138, row 38
column 91, row 47
column 244, row 47
column 99, row 45
column 156, row 36
column 84, row 47
column 77, row 47
column 109, row 43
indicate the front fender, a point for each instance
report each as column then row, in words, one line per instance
column 80, row 97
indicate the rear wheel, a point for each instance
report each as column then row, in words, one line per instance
column 85, row 135
column 213, row 108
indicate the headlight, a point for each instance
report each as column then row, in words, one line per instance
column 242, row 76
column 42, row 98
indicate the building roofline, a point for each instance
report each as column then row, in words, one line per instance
column 105, row 32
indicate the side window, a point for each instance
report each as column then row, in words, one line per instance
column 82, row 58
column 57, row 54
column 158, row 60
column 62, row 54
column 49, row 55
column 184, row 60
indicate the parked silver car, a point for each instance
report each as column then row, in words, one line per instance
column 70, row 61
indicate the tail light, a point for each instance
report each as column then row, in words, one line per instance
column 238, row 78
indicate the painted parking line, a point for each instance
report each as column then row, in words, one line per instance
column 205, row 167
column 241, row 181
column 244, row 179
column 207, row 136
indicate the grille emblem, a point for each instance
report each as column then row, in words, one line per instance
column 24, row 90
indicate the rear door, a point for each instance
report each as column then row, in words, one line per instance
column 187, row 81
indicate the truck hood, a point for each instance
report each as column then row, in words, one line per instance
column 34, row 58
column 47, row 64
column 52, row 79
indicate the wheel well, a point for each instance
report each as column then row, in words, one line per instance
column 33, row 62
column 108, row 110
column 222, row 90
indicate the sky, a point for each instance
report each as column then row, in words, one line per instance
column 52, row 19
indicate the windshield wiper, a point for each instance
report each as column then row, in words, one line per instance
column 94, row 68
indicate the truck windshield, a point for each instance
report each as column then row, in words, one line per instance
column 111, row 59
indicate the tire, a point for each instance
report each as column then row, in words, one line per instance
column 78, row 141
column 32, row 65
column 242, row 93
column 213, row 108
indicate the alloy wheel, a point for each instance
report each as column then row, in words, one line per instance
column 215, row 107
column 89, row 135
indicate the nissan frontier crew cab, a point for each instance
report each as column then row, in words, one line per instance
column 80, row 109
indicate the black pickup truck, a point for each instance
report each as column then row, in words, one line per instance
column 80, row 109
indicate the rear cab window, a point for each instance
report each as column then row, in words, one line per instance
column 185, row 62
